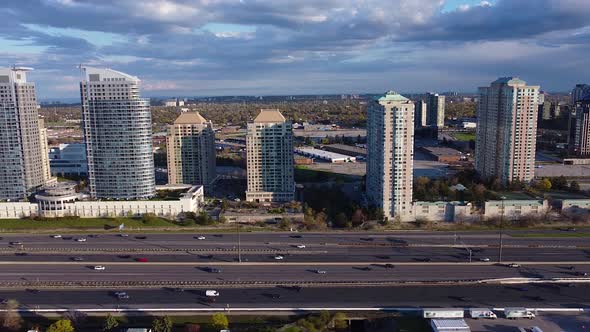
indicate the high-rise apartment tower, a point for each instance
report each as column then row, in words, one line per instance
column 269, row 148
column 506, row 130
column 191, row 150
column 390, row 143
column 118, row 133
column 436, row 110
column 23, row 165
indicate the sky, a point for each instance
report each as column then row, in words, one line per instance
column 290, row 47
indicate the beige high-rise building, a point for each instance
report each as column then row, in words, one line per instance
column 390, row 143
column 22, row 147
column 191, row 150
column 269, row 146
column 506, row 130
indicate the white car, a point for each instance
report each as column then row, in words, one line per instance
column 279, row 257
column 56, row 236
column 124, row 235
column 301, row 246
column 320, row 271
column 485, row 259
column 514, row 265
column 201, row 237
column 120, row 293
column 81, row 239
column 99, row 268
column 211, row 293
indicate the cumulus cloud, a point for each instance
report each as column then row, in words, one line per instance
column 305, row 46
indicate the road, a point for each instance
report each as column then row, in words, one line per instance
column 172, row 272
column 262, row 247
column 539, row 295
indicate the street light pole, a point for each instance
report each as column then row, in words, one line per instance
column 501, row 231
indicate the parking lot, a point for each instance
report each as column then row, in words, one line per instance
column 548, row 322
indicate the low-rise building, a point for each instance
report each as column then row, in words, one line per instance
column 348, row 150
column 61, row 200
column 444, row 211
column 575, row 206
column 443, row 154
column 328, row 156
column 515, row 209
column 254, row 217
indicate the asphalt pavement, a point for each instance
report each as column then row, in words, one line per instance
column 532, row 296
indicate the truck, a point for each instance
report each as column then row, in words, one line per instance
column 513, row 313
column 211, row 292
column 443, row 313
column 482, row 313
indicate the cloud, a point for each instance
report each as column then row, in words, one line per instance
column 200, row 47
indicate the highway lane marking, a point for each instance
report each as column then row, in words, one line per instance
column 380, row 263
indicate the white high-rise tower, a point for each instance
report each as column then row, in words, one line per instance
column 117, row 127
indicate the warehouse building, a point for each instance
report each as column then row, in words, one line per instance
column 328, row 156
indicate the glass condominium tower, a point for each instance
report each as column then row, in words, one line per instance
column 117, row 128
column 23, row 166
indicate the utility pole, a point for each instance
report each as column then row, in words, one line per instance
column 501, row 230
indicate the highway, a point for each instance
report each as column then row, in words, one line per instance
column 386, row 269
column 538, row 295
column 275, row 273
column 262, row 247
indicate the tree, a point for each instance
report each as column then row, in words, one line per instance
column 574, row 186
column 340, row 321
column 559, row 182
column 110, row 323
column 544, row 184
column 358, row 217
column 479, row 192
column 163, row 324
column 62, row 325
column 219, row 321
column 10, row 319
column 341, row 220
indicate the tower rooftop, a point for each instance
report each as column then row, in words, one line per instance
column 269, row 116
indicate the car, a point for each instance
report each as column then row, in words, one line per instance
column 82, row 239
column 120, row 293
column 141, row 259
column 514, row 265
column 124, row 256
column 389, row 266
column 275, row 296
column 484, row 259
column 3, row 301
column 580, row 274
column 56, row 236
column 124, row 235
column 141, row 237
column 179, row 290
column 320, row 271
column 365, row 268
column 201, row 237
column 301, row 246
column 425, row 259
column 212, row 270
column 94, row 236
column 296, row 236
column 279, row 257
column 99, row 268
column 77, row 259
column 20, row 254
column 15, row 243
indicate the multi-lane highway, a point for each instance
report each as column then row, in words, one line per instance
column 537, row 295
column 149, row 265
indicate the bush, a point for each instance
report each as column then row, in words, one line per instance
column 219, row 321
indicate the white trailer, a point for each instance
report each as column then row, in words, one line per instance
column 513, row 313
column 443, row 313
column 482, row 313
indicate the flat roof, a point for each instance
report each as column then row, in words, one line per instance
column 442, row 151
column 450, row 324
column 324, row 154
column 347, row 148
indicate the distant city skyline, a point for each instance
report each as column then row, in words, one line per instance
column 263, row 47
